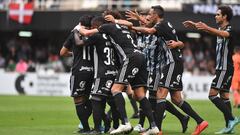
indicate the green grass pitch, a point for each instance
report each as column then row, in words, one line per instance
column 33, row 115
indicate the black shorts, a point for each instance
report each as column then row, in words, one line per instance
column 81, row 84
column 222, row 80
column 171, row 76
column 133, row 71
column 102, row 86
column 153, row 81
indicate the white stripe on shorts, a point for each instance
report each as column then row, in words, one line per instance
column 169, row 75
column 72, row 83
column 220, row 79
column 123, row 70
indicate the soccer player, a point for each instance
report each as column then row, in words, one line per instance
column 132, row 71
column 105, row 71
column 224, row 64
column 171, row 68
column 236, row 80
column 151, row 48
column 82, row 74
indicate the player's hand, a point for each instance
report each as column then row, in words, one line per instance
column 132, row 15
column 109, row 18
column 201, row 26
column 172, row 44
column 189, row 24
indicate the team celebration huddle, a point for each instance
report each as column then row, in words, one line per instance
column 112, row 56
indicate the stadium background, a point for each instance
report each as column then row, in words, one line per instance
column 48, row 74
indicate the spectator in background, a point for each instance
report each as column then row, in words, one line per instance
column 11, row 66
column 21, row 66
column 31, row 66
column 236, row 77
column 2, row 61
column 55, row 63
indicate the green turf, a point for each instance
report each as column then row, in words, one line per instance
column 33, row 115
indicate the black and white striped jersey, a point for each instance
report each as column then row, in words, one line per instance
column 224, row 50
column 166, row 32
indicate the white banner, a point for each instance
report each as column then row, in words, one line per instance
column 194, row 87
column 35, row 84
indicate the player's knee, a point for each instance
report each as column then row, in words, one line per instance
column 224, row 95
column 176, row 101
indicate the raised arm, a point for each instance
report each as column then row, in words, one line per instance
column 175, row 44
column 145, row 30
column 204, row 27
column 135, row 16
column 86, row 32
column 110, row 18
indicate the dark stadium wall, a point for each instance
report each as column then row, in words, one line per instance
column 64, row 21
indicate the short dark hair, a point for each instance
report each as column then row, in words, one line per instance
column 159, row 10
column 98, row 21
column 85, row 20
column 226, row 10
column 115, row 13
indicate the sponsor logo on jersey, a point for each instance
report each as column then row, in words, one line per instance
column 109, row 72
column 84, row 68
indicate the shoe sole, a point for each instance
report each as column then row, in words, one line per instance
column 125, row 132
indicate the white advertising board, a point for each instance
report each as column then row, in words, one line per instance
column 194, row 87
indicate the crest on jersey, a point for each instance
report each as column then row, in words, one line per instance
column 82, row 84
column 135, row 71
column 179, row 78
column 109, row 84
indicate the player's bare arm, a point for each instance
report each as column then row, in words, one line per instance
column 175, row 44
column 145, row 30
column 86, row 32
column 110, row 18
column 135, row 16
column 65, row 52
column 204, row 27
column 189, row 24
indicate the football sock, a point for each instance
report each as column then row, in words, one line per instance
column 160, row 108
column 170, row 108
column 153, row 103
column 222, row 107
column 188, row 110
column 81, row 113
column 115, row 113
column 98, row 111
column 146, row 106
column 120, row 103
column 133, row 103
column 228, row 104
column 141, row 116
column 88, row 107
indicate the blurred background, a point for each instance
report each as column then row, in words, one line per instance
column 32, row 33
